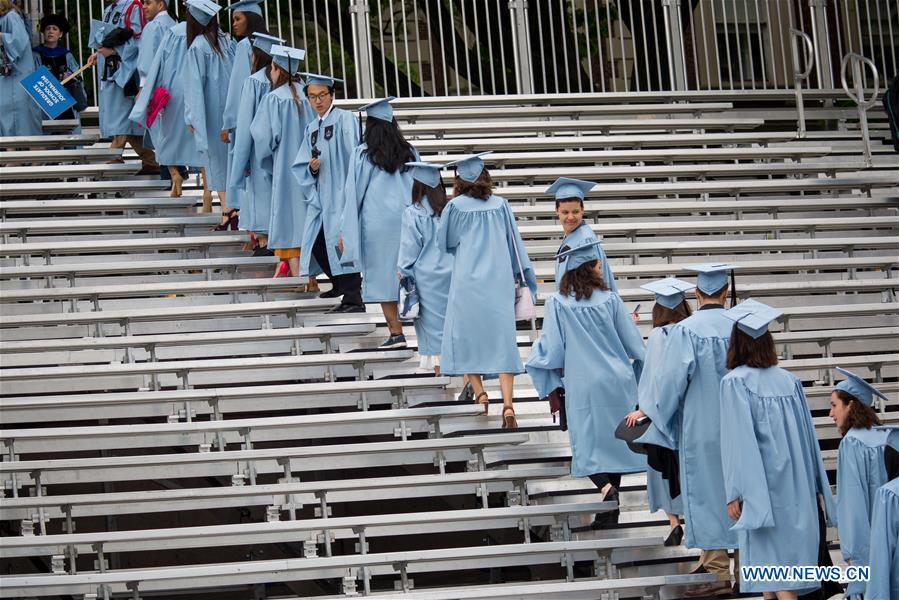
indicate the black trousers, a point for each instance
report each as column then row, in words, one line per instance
column 349, row 285
column 601, row 479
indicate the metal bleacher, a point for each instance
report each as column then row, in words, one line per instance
column 176, row 423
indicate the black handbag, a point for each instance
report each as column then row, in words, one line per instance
column 75, row 87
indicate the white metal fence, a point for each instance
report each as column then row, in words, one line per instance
column 462, row 47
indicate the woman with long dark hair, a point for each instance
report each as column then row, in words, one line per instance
column 773, row 471
column 210, row 55
column 377, row 192
column 423, row 262
column 671, row 307
column 861, row 466
column 246, row 19
column 479, row 334
column 246, row 173
column 585, row 351
column 277, row 132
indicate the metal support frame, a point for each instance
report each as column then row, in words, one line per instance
column 821, row 43
column 674, row 37
column 524, row 69
column 359, row 17
column 800, row 76
column 858, row 97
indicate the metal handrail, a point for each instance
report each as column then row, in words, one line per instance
column 800, row 76
column 859, row 97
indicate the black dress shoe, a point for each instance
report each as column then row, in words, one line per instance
column 332, row 293
column 675, row 536
column 467, row 393
column 347, row 308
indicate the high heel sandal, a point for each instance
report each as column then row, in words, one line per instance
column 229, row 217
column 234, row 219
column 486, row 402
column 509, row 421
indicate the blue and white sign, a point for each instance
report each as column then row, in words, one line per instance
column 49, row 94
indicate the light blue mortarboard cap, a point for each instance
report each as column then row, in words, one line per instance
column 427, row 173
column 470, row 167
column 565, row 187
column 858, row 387
column 203, row 10
column 380, row 109
column 579, row 254
column 712, row 276
column 669, row 292
column 753, row 317
column 287, row 58
column 251, row 6
column 265, row 42
column 317, row 79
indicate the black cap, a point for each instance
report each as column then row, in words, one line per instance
column 53, row 19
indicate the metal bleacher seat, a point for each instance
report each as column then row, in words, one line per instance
column 55, row 156
column 68, row 171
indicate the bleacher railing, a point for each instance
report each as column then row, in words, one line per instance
column 469, row 47
column 857, row 93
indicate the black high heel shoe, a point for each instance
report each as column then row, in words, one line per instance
column 229, row 222
column 675, row 537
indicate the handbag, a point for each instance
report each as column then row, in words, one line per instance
column 75, row 87
column 157, row 102
column 524, row 303
column 409, row 306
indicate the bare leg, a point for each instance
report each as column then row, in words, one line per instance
column 294, row 264
column 506, row 381
column 207, row 195
column 177, row 181
column 476, row 384
column 769, row 595
column 262, row 240
column 673, row 520
column 785, row 595
column 391, row 313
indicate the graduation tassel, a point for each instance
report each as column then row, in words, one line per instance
column 733, row 288
column 360, row 126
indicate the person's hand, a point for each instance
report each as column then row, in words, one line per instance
column 92, row 59
column 190, row 128
column 734, row 510
column 223, row 135
column 106, row 52
column 399, row 275
column 340, row 245
column 315, row 164
column 632, row 417
column 635, row 317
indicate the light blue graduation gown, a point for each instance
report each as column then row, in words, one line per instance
column 372, row 223
column 174, row 145
column 277, row 134
column 256, row 188
column 336, row 136
column 72, row 66
column 150, row 41
column 479, row 332
column 240, row 71
column 860, row 472
column 204, row 103
column 884, row 582
column 20, row 114
column 687, row 376
column 657, row 488
column 432, row 269
column 115, row 106
column 772, row 463
column 585, row 347
column 577, row 237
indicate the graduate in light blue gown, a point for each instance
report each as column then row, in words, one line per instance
column 569, row 194
column 210, row 55
column 686, row 382
column 773, row 471
column 421, row 259
column 884, row 582
column 173, row 142
column 277, row 131
column 246, row 19
column 246, row 173
column 377, row 191
column 671, row 307
column 860, row 466
column 158, row 24
column 20, row 114
column 479, row 334
column 321, row 167
column 585, row 348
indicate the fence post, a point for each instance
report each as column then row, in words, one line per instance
column 821, row 41
column 362, row 49
column 674, row 35
column 521, row 44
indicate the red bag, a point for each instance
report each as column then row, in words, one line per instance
column 157, row 102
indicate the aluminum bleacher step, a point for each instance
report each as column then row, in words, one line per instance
column 99, row 171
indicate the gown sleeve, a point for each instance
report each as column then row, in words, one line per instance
column 142, row 102
column 546, row 361
column 741, row 458
column 629, row 335
column 300, row 169
column 822, row 483
column 129, row 50
column 516, row 244
column 240, row 70
column 71, row 64
column 884, row 544
column 265, row 130
column 448, row 233
column 672, row 373
column 194, row 101
column 243, row 136
column 354, row 195
column 17, row 41
column 411, row 243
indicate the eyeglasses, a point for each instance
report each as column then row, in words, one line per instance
column 318, row 97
